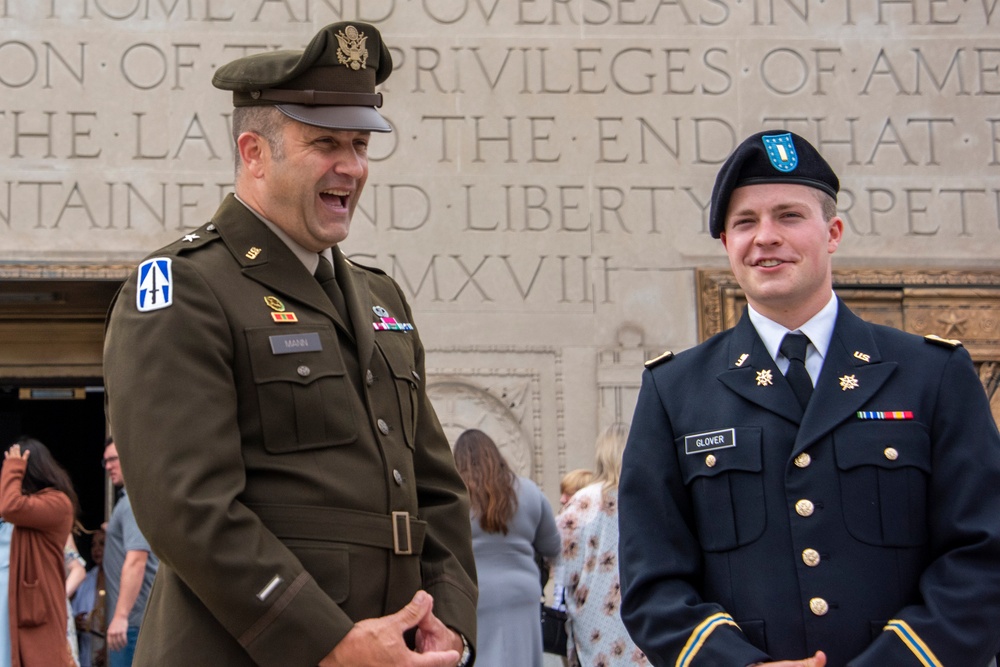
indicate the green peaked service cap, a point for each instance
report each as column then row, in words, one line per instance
column 331, row 83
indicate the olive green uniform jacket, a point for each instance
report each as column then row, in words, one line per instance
column 267, row 446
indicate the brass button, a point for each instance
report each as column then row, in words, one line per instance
column 805, row 507
column 818, row 606
column 369, row 378
column 398, row 476
column 382, row 426
column 810, row 557
column 710, row 460
column 304, row 371
column 891, row 453
column 803, row 460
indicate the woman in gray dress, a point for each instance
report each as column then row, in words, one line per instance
column 511, row 520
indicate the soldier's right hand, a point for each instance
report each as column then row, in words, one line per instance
column 377, row 642
column 818, row 660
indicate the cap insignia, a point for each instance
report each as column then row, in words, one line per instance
column 781, row 151
column 352, row 52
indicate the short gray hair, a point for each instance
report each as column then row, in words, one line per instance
column 266, row 121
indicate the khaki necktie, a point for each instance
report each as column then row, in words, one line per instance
column 793, row 346
column 324, row 274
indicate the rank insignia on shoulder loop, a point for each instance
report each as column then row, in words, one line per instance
column 190, row 238
column 944, row 342
column 781, row 151
column 274, row 303
column 155, row 288
column 765, row 378
column 656, row 361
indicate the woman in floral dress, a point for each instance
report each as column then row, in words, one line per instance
column 588, row 567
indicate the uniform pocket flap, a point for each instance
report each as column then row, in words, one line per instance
column 712, row 453
column 885, row 444
column 301, row 357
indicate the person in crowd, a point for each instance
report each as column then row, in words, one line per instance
column 89, row 607
column 129, row 568
column 76, row 571
column 511, row 521
column 808, row 488
column 37, row 499
column 269, row 401
column 588, row 563
column 572, row 482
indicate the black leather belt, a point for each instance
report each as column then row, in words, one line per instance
column 398, row 531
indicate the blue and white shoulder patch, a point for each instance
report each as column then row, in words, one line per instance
column 156, row 285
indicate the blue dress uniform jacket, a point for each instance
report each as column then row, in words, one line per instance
column 280, row 463
column 753, row 532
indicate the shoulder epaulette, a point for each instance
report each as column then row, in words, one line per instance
column 663, row 358
column 364, row 267
column 943, row 342
column 196, row 239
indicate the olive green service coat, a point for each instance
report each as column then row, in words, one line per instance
column 266, row 446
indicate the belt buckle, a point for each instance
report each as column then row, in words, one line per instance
column 402, row 544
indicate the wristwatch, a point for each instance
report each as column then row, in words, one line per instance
column 466, row 652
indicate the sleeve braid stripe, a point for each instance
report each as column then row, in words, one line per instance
column 913, row 642
column 699, row 635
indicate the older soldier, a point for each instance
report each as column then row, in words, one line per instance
column 268, row 400
column 828, row 502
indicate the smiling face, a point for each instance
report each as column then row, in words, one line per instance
column 780, row 246
column 310, row 185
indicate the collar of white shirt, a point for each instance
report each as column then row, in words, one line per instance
column 819, row 329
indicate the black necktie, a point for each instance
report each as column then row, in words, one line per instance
column 793, row 346
column 324, row 274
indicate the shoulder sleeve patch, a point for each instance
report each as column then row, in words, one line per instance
column 943, row 342
column 154, row 285
column 663, row 358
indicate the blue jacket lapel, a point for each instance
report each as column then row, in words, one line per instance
column 753, row 375
column 853, row 372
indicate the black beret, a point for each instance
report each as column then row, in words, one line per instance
column 773, row 156
column 331, row 83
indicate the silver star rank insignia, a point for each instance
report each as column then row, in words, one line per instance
column 849, row 382
column 190, row 238
column 764, row 378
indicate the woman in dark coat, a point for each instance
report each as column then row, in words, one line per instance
column 37, row 497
